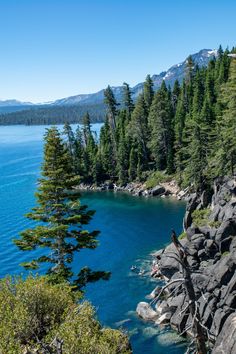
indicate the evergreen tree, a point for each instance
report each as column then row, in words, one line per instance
column 127, row 98
column 86, row 128
column 133, row 162
column 179, row 124
column 61, row 216
column 108, row 154
column 160, row 124
column 69, row 140
column 89, row 150
column 148, row 92
column 197, row 133
column 111, row 103
column 79, row 153
column 175, row 95
column 123, row 161
column 138, row 129
column 225, row 154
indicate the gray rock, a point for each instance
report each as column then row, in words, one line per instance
column 230, row 300
column 193, row 262
column 211, row 247
column 158, row 254
column 167, row 264
column 205, row 230
column 221, row 272
column 226, row 341
column 198, row 240
column 200, row 281
column 179, row 318
column 225, row 244
column 158, row 190
column 202, row 303
column 176, row 301
column 161, row 307
column 227, row 228
column 215, row 213
column 145, row 311
column 229, row 288
column 209, row 312
column 191, row 206
column 205, row 198
column 191, row 231
column 202, row 255
column 191, row 249
column 219, row 319
column 164, row 319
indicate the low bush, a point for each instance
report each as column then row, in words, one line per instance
column 157, row 177
column 200, row 217
column 35, row 315
column 182, row 236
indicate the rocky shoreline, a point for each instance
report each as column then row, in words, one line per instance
column 139, row 189
column 209, row 241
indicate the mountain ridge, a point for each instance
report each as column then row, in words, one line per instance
column 175, row 72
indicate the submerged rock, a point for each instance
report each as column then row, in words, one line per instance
column 145, row 311
column 169, row 338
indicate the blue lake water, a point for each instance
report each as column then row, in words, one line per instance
column 131, row 228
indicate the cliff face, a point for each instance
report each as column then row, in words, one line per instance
column 209, row 242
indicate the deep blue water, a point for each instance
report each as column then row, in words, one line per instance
column 131, row 228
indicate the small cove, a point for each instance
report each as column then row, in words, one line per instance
column 131, row 228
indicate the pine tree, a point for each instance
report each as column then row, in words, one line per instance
column 79, row 153
column 69, row 140
column 99, row 174
column 225, row 154
column 160, row 124
column 61, row 216
column 197, row 132
column 138, row 130
column 148, row 92
column 123, row 161
column 111, row 103
column 89, row 151
column 133, row 162
column 86, row 128
column 175, row 95
column 127, row 98
column 108, row 154
column 179, row 124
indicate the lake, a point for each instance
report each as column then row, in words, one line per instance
column 131, row 228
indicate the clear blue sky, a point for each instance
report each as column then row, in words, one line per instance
column 57, row 48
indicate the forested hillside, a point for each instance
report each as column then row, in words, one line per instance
column 187, row 131
column 71, row 109
column 53, row 114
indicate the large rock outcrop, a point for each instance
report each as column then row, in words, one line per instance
column 210, row 245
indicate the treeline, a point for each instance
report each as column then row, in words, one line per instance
column 53, row 115
column 187, row 132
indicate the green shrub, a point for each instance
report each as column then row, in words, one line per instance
column 224, row 254
column 157, row 177
column 182, row 236
column 34, row 312
column 214, row 224
column 200, row 217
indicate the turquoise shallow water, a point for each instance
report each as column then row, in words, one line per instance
column 131, row 228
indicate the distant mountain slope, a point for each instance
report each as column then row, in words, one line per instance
column 73, row 107
column 176, row 72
